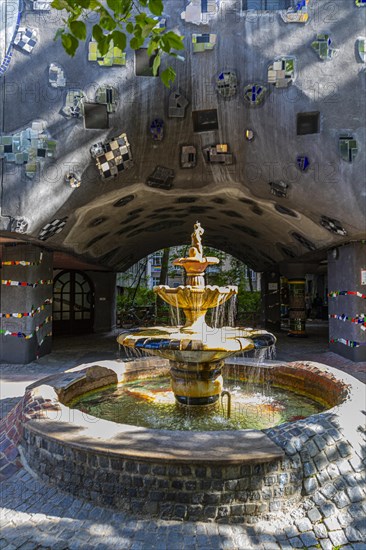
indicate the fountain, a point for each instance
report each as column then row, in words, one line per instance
column 196, row 351
column 211, row 471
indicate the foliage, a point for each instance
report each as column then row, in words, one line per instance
column 143, row 297
column 120, row 21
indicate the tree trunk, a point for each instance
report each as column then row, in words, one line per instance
column 249, row 280
column 163, row 276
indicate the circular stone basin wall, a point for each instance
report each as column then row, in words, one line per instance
column 224, row 476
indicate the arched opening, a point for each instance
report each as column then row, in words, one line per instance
column 73, row 303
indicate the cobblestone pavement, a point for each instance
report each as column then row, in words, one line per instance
column 34, row 515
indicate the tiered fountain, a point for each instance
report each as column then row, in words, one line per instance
column 196, row 351
column 150, row 460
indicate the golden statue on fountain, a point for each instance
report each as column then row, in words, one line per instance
column 196, row 351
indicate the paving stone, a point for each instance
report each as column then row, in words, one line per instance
column 344, row 467
column 341, row 500
column 326, row 544
column 309, row 539
column 314, row 515
column 320, row 531
column 303, row 525
column 355, row 494
column 352, row 534
column 338, row 537
column 331, row 523
column 328, row 509
column 296, row 542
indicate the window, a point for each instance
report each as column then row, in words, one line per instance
column 307, row 123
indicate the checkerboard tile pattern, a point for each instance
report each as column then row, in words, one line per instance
column 112, row 157
column 26, row 39
column 52, row 228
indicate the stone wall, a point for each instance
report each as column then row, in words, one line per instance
column 224, row 493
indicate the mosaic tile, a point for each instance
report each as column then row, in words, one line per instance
column 162, row 178
column 28, row 147
column 188, row 156
column 226, row 83
column 347, row 148
column 114, row 56
column 297, row 13
column 157, row 129
column 52, row 228
column 112, row 157
column 177, row 105
column 26, row 39
column 281, row 72
column 254, row 94
column 107, row 95
column 56, row 76
column 322, row 46
column 74, row 104
column 203, row 42
column 218, row 154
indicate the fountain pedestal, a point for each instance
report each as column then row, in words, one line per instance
column 196, row 383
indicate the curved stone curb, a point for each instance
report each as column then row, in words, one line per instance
column 29, row 407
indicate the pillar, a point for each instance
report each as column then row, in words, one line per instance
column 297, row 309
column 295, row 273
column 347, row 300
column 25, row 303
column 271, row 302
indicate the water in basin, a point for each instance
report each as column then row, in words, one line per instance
column 151, row 404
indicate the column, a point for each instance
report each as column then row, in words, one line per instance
column 271, row 302
column 347, row 300
column 297, row 310
column 25, row 303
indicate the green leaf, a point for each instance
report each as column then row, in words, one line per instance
column 59, row 33
column 103, row 45
column 156, row 64
column 168, row 76
column 97, row 33
column 70, row 43
column 84, row 3
column 78, row 29
column 107, row 22
column 156, row 7
column 147, row 29
column 61, row 5
column 130, row 28
column 136, row 42
column 175, row 40
column 143, row 3
column 119, row 40
column 115, row 5
column 153, row 46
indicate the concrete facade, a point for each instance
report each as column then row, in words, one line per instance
column 347, row 294
column 116, row 222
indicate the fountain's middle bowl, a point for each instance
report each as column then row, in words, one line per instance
column 195, row 298
column 210, row 344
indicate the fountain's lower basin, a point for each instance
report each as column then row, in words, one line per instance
column 223, row 476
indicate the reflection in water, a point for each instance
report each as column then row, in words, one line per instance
column 151, row 403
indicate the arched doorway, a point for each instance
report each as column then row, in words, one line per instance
column 73, row 303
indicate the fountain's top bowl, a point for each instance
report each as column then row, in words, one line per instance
column 196, row 298
column 196, row 264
